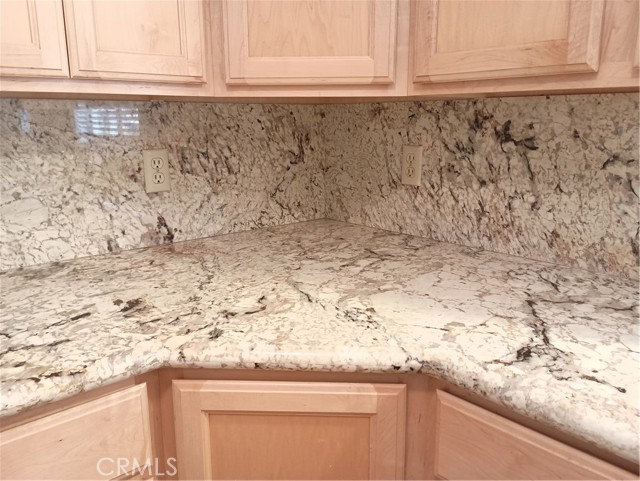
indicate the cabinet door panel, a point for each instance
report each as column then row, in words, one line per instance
column 473, row 443
column 309, row 42
column 32, row 41
column 456, row 40
column 82, row 442
column 146, row 40
column 289, row 430
column 325, row 446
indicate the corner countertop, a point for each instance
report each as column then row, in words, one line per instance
column 556, row 344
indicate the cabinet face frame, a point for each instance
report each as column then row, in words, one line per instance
column 195, row 400
column 46, row 53
column 378, row 67
column 579, row 52
column 88, row 61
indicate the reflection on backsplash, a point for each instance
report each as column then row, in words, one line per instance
column 72, row 182
column 550, row 178
column 107, row 121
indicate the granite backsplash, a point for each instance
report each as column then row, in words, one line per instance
column 72, row 183
column 550, row 178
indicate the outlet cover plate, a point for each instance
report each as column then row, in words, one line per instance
column 156, row 170
column 412, row 165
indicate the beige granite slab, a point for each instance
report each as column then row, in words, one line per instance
column 557, row 344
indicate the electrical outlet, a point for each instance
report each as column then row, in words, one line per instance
column 412, row 165
column 156, row 170
column 158, row 178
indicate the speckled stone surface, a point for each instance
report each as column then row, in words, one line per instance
column 548, row 178
column 557, row 344
column 72, row 184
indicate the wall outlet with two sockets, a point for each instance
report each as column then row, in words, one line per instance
column 156, row 170
column 412, row 165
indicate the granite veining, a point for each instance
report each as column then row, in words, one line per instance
column 549, row 178
column 558, row 344
column 72, row 184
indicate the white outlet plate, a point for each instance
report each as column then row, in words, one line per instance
column 412, row 165
column 156, row 170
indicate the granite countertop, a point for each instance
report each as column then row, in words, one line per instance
column 559, row 345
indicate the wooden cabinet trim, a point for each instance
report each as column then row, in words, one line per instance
column 636, row 55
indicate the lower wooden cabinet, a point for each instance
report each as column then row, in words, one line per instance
column 473, row 443
column 289, row 430
column 101, row 439
column 254, row 424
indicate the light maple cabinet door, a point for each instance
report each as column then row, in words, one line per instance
column 289, row 430
column 473, row 443
column 141, row 40
column 32, row 41
column 83, row 442
column 309, row 42
column 457, row 40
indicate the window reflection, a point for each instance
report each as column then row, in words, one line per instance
column 107, row 121
column 25, row 124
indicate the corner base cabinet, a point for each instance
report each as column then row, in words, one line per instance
column 289, row 430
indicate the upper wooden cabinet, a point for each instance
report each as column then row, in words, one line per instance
column 309, row 42
column 318, row 48
column 473, row 40
column 32, row 41
column 141, row 40
column 289, row 430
